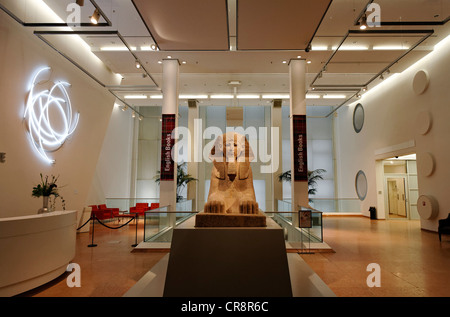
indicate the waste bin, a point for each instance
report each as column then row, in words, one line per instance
column 373, row 212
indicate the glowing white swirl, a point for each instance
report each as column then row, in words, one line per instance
column 45, row 138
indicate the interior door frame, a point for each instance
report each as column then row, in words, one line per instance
column 386, row 196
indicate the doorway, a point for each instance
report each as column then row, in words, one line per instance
column 400, row 187
column 396, row 195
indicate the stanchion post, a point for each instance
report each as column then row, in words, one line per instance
column 135, row 240
column 92, row 242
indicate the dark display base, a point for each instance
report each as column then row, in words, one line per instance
column 229, row 220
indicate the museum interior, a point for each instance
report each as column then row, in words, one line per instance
column 141, row 140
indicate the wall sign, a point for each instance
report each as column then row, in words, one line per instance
column 48, row 114
column 300, row 153
column 167, row 143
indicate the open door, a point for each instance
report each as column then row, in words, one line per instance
column 396, row 197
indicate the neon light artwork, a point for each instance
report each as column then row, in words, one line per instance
column 48, row 115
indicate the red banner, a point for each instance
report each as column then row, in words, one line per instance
column 300, row 154
column 167, row 143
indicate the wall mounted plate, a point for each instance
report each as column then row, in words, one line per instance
column 423, row 122
column 425, row 163
column 427, row 207
column 420, row 82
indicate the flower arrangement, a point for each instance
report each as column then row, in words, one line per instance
column 48, row 188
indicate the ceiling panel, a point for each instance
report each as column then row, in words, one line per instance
column 178, row 25
column 280, row 25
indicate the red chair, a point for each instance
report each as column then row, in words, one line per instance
column 154, row 205
column 139, row 209
column 107, row 213
column 99, row 214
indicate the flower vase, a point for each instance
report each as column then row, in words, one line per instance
column 44, row 205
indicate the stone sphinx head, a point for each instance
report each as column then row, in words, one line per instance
column 231, row 155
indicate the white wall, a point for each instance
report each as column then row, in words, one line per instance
column 391, row 112
column 21, row 54
column 113, row 172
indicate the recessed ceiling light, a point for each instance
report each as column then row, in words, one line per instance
column 299, row 56
column 222, row 96
column 276, row 96
column 193, row 96
column 159, row 62
column 168, row 56
column 284, row 62
column 135, row 97
column 183, row 62
column 244, row 96
column 335, row 96
column 308, row 62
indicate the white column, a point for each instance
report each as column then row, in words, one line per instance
column 168, row 188
column 277, row 122
column 193, row 145
column 297, row 75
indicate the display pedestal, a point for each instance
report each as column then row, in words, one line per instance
column 228, row 262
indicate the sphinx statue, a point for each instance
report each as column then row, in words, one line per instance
column 231, row 191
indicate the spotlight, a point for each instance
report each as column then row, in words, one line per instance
column 124, row 108
column 363, row 23
column 140, row 118
column 138, row 65
column 364, row 89
column 95, row 17
column 358, row 95
column 153, row 47
column 381, row 77
column 133, row 114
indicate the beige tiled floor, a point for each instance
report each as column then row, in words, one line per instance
column 412, row 261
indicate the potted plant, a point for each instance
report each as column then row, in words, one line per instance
column 313, row 177
column 183, row 178
column 47, row 188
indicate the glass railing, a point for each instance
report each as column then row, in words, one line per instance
column 336, row 205
column 289, row 221
column 124, row 204
column 160, row 222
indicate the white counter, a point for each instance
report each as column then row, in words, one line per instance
column 35, row 249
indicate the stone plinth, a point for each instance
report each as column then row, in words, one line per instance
column 228, row 262
column 229, row 220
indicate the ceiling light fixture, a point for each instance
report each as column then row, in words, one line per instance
column 140, row 118
column 136, row 96
column 308, row 62
column 222, row 96
column 133, row 114
column 312, row 96
column 335, row 96
column 363, row 23
column 364, row 89
column 95, row 17
column 276, row 96
column 124, row 108
column 138, row 65
column 247, row 96
column 153, row 46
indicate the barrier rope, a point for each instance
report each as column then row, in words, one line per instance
column 115, row 227
column 93, row 217
column 84, row 223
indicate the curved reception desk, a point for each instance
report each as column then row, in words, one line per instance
column 35, row 249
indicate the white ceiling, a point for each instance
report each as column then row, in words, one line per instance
column 248, row 40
